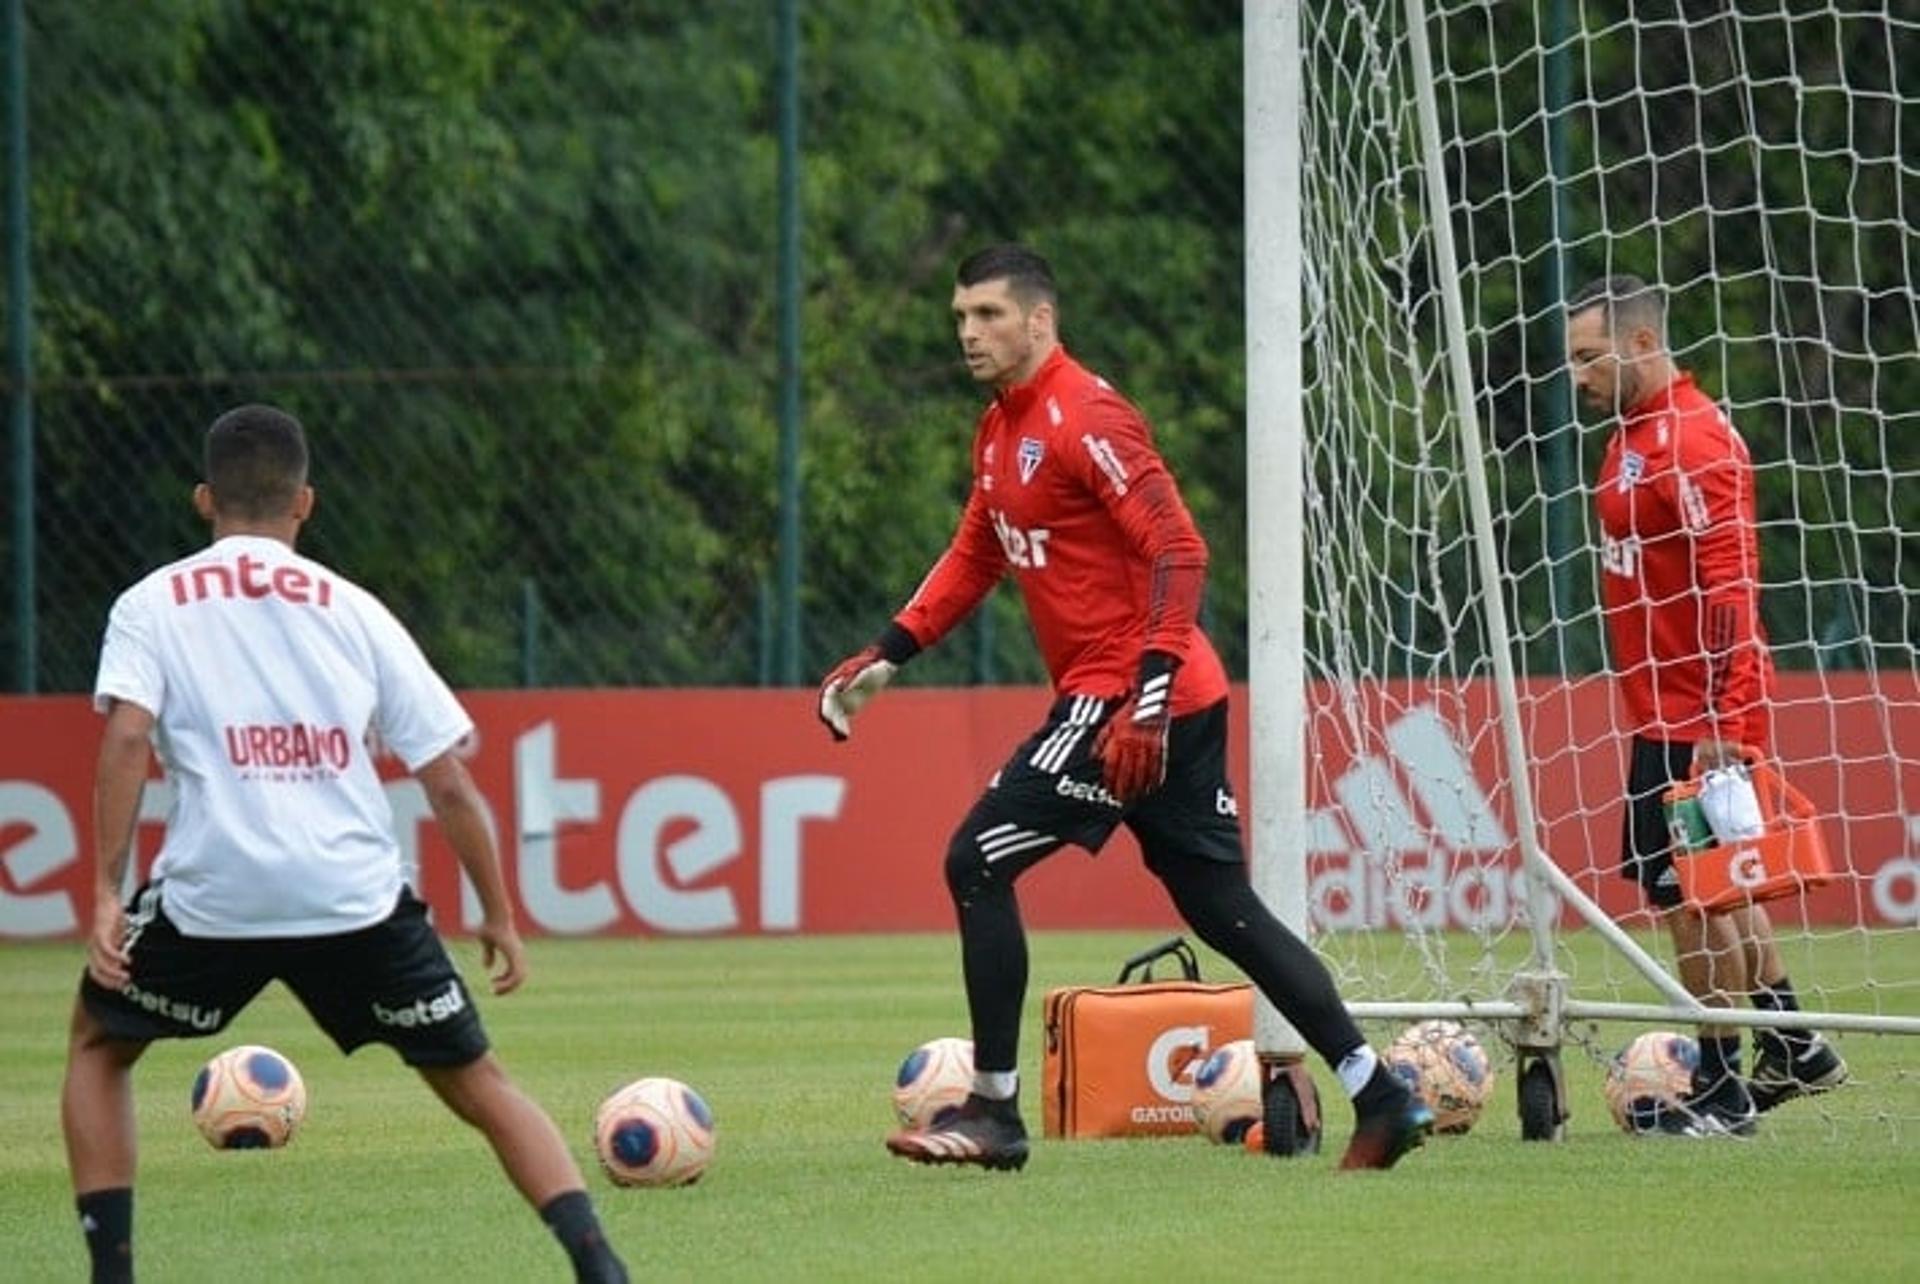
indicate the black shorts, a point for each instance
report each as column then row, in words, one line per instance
column 390, row 983
column 1653, row 767
column 1052, row 787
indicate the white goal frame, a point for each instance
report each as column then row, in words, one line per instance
column 1540, row 1000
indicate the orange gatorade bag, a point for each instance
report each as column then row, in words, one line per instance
column 1120, row 1058
column 1786, row 853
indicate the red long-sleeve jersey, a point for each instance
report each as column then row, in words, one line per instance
column 1070, row 495
column 1680, row 572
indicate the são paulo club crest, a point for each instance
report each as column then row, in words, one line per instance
column 1633, row 466
column 1031, row 449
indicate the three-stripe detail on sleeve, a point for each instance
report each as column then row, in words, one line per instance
column 1152, row 704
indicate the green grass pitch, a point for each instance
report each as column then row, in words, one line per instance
column 794, row 1042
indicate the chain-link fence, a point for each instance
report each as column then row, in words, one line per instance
column 517, row 265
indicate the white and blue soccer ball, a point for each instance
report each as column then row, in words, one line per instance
column 932, row 1082
column 1447, row 1067
column 654, row 1132
column 248, row 1098
column 1227, row 1091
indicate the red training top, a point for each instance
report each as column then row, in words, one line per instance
column 1680, row 571
column 1070, row 494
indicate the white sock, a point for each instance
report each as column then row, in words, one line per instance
column 1356, row 1068
column 996, row 1085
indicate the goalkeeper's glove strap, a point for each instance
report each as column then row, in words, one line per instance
column 895, row 644
column 1155, row 687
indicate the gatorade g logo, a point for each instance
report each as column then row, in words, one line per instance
column 1746, row 867
column 1173, row 1058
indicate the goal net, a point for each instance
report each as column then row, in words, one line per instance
column 1756, row 160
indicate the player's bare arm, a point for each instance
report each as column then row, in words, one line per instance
column 458, row 808
column 125, row 751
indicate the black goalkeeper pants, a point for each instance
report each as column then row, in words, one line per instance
column 1214, row 898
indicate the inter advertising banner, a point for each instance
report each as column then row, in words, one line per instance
column 692, row 812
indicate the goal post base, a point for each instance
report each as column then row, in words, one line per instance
column 1540, row 994
column 1290, row 1123
column 1540, row 1079
column 1542, row 1094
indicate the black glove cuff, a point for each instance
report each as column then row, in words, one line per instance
column 1154, row 664
column 895, row 644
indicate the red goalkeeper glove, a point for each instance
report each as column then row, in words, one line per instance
column 1132, row 746
column 862, row 676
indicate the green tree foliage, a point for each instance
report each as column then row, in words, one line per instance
column 514, row 263
column 1754, row 159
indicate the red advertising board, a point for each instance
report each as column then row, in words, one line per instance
column 678, row 812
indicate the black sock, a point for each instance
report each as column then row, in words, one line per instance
column 106, row 1219
column 1719, row 1057
column 571, row 1218
column 993, row 951
column 1778, row 996
column 1002, row 1108
column 1382, row 1089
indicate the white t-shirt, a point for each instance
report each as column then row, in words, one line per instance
column 266, row 672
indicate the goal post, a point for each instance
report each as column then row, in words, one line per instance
column 1276, row 551
column 1424, row 183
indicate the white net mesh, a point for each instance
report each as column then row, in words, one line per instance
column 1762, row 163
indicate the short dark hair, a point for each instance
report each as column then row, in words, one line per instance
column 1624, row 298
column 1028, row 276
column 256, row 460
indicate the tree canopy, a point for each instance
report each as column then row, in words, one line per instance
column 514, row 263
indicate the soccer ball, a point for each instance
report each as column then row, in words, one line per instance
column 1649, row 1076
column 1446, row 1066
column 932, row 1082
column 1226, row 1091
column 248, row 1098
column 654, row 1132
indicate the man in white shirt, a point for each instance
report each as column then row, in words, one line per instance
column 261, row 677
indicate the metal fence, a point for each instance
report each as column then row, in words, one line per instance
column 621, row 329
column 518, row 267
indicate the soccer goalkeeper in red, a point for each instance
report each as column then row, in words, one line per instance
column 1070, row 497
column 1680, row 589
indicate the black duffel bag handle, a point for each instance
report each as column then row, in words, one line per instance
column 1142, row 963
